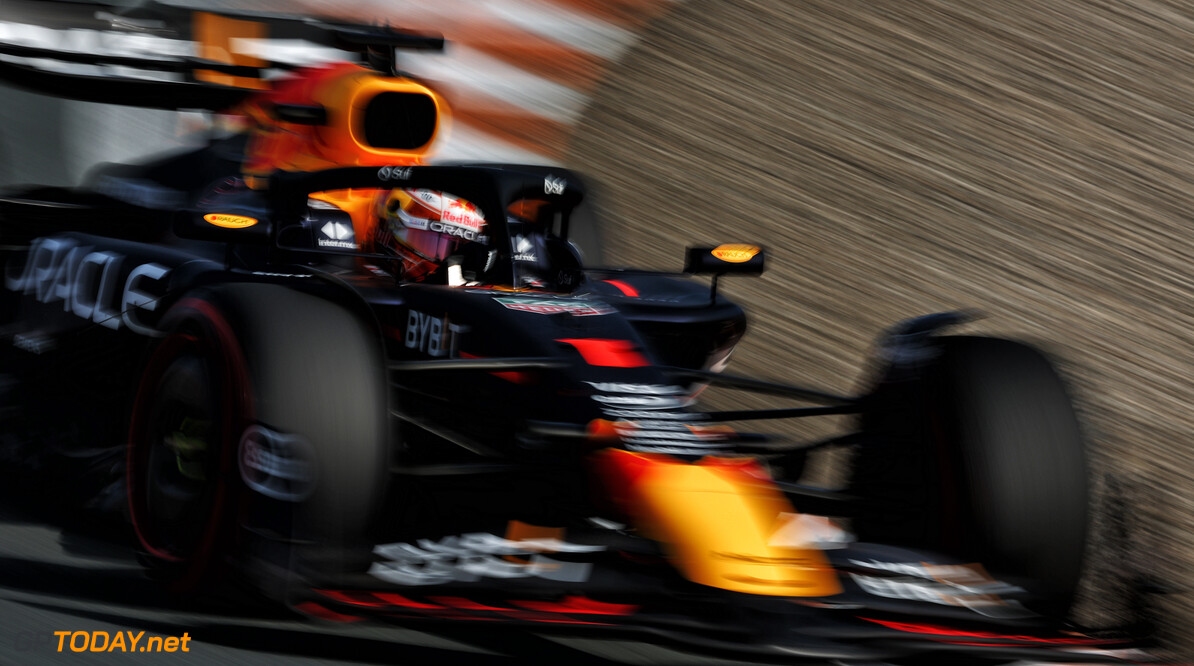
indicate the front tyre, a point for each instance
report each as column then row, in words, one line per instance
column 299, row 437
column 981, row 457
column 191, row 406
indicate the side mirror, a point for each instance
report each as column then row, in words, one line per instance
column 225, row 227
column 729, row 259
column 737, row 259
column 231, row 213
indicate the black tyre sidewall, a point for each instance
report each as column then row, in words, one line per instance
column 316, row 371
column 302, row 365
column 1019, row 462
column 980, row 457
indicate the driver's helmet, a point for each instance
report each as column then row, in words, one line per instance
column 425, row 227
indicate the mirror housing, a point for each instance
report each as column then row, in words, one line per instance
column 224, row 227
column 734, row 258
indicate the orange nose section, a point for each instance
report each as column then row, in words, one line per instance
column 718, row 519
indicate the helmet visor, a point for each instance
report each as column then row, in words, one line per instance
column 436, row 226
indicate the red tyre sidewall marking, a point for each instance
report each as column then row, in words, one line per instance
column 236, row 404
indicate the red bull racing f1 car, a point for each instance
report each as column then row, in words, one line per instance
column 374, row 387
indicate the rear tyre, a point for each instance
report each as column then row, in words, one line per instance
column 981, row 457
column 297, row 384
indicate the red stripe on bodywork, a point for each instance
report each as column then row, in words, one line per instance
column 578, row 605
column 512, row 376
column 355, row 598
column 608, row 353
column 315, row 610
column 560, row 620
column 399, row 600
column 949, row 633
column 376, row 599
column 457, row 608
column 624, row 288
column 467, row 604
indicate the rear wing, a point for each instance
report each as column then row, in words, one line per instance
column 169, row 57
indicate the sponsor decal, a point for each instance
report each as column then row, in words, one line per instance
column 735, row 254
column 394, row 173
column 554, row 185
column 802, row 530
column 88, row 283
column 277, row 465
column 647, row 397
column 968, row 574
column 337, row 235
column 457, row 231
column 285, row 275
column 642, row 401
column 547, row 306
column 320, row 204
column 459, row 218
column 650, row 418
column 144, row 39
column 470, row 557
column 97, row 42
column 636, row 414
column 524, row 249
column 641, row 389
column 229, row 221
column 293, row 51
column 378, row 271
column 34, row 344
column 126, row 23
column 965, row 585
column 681, row 449
column 412, row 222
column 462, row 214
column 433, row 336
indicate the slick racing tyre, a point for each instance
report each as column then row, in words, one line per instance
column 980, row 456
column 259, row 437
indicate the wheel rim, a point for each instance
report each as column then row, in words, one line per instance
column 192, row 405
column 181, row 476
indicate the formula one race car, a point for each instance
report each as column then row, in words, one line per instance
column 373, row 387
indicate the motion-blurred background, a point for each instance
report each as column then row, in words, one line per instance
column 1032, row 159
